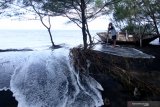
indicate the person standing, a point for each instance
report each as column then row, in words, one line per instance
column 112, row 31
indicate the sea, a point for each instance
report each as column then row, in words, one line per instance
column 45, row 77
column 39, row 39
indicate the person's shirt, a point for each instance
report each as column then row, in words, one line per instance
column 112, row 31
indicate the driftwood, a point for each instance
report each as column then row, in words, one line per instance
column 122, row 69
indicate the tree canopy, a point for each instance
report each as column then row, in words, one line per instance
column 142, row 13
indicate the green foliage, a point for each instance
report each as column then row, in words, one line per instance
column 58, row 6
column 131, row 28
column 98, row 3
column 139, row 29
column 138, row 13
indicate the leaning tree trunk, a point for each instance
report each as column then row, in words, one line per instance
column 155, row 24
column 50, row 34
column 89, row 35
column 157, row 29
column 83, row 23
column 48, row 28
column 45, row 25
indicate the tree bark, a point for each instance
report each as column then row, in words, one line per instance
column 89, row 35
column 155, row 24
column 82, row 6
column 49, row 31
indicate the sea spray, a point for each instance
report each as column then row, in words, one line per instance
column 47, row 79
column 9, row 61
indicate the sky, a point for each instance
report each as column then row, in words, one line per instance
column 58, row 23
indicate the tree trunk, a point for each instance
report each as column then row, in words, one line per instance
column 140, row 36
column 155, row 24
column 89, row 35
column 47, row 27
column 49, row 31
column 156, row 29
column 83, row 24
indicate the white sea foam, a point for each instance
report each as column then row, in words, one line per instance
column 47, row 79
column 9, row 61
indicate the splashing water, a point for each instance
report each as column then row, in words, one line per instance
column 47, row 79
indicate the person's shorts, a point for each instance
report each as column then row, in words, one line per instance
column 114, row 37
